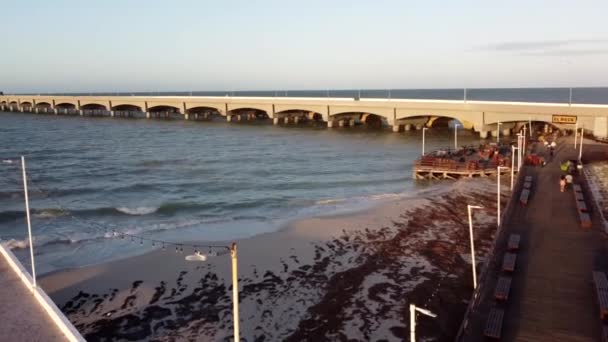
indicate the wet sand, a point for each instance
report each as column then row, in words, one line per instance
column 348, row 277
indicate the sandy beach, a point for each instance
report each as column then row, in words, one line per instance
column 347, row 277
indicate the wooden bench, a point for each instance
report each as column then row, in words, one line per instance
column 577, row 188
column 524, row 196
column 579, row 196
column 527, row 185
column 585, row 219
column 493, row 327
column 581, row 206
column 503, row 286
column 508, row 262
column 601, row 289
column 528, row 179
column 513, row 244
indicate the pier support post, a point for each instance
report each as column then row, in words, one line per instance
column 296, row 120
column 396, row 128
column 408, row 127
column 276, row 121
column 81, row 112
column 506, row 132
column 418, row 127
column 351, row 123
column 147, row 115
column 483, row 134
column 341, row 123
column 56, row 111
column 330, row 124
column 228, row 118
column 186, row 116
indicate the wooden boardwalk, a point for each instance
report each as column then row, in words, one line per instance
column 552, row 295
column 22, row 318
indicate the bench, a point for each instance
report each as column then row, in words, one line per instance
column 508, row 262
column 525, row 195
column 581, row 206
column 579, row 196
column 585, row 219
column 528, row 179
column 494, row 323
column 513, row 244
column 577, row 188
column 527, row 185
column 503, row 286
column 601, row 289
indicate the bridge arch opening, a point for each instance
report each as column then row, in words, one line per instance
column 66, row 108
column 299, row 116
column 163, row 109
column 93, row 106
column 127, row 108
column 203, row 113
column 367, row 120
column 249, row 114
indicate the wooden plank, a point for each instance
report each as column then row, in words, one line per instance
column 503, row 286
column 508, row 262
column 600, row 280
column 493, row 327
column 585, row 219
column 514, row 240
column 581, row 206
column 524, row 196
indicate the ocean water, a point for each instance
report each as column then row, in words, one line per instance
column 183, row 181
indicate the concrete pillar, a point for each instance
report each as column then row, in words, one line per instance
column 147, row 115
column 396, row 128
column 238, row 117
column 112, row 114
column 506, row 132
column 186, row 116
column 352, row 122
column 546, row 129
column 341, row 123
column 228, row 118
column 81, row 112
column 408, row 127
column 56, row 111
column 296, row 120
column 275, row 121
column 330, row 124
column 418, row 127
column 494, row 133
column 483, row 134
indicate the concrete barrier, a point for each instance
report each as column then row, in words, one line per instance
column 66, row 327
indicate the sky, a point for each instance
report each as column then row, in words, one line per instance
column 122, row 45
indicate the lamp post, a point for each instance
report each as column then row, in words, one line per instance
column 518, row 151
column 198, row 256
column 469, row 207
column 575, row 133
column 413, row 309
column 530, row 123
column 498, row 132
column 498, row 193
column 523, row 142
column 580, row 151
column 456, row 136
column 29, row 222
column 423, row 138
column 513, row 148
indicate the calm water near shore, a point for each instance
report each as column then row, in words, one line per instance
column 187, row 181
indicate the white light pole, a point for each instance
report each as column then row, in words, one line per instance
column 575, row 133
column 523, row 143
column 498, row 194
column 530, row 122
column 456, row 136
column 580, row 151
column 498, row 132
column 513, row 148
column 198, row 256
column 518, row 151
column 29, row 222
column 423, row 136
column 469, row 207
column 413, row 309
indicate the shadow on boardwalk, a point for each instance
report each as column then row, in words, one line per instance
column 552, row 297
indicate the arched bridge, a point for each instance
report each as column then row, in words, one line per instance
column 482, row 116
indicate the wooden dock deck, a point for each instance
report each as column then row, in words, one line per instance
column 552, row 296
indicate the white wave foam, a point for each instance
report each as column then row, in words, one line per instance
column 138, row 210
column 7, row 161
column 49, row 213
column 17, row 244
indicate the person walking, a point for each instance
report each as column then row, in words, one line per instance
column 562, row 184
column 569, row 179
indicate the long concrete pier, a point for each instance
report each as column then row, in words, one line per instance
column 486, row 117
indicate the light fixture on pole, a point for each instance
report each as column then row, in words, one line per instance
column 198, row 256
column 413, row 310
column 513, row 148
column 423, row 138
column 469, row 207
column 498, row 194
column 456, row 136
